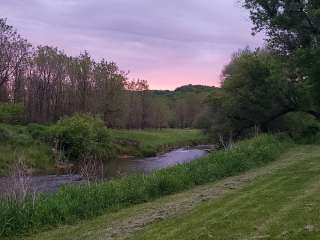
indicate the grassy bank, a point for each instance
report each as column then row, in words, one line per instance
column 28, row 142
column 163, row 218
column 283, row 204
column 146, row 143
column 72, row 204
column 15, row 143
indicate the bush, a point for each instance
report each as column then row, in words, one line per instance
column 79, row 136
column 38, row 131
column 71, row 204
column 301, row 127
column 11, row 113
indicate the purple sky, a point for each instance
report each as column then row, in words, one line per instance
column 169, row 43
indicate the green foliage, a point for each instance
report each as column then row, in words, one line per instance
column 307, row 62
column 301, row 127
column 293, row 32
column 16, row 142
column 80, row 136
column 39, row 131
column 289, row 25
column 11, row 113
column 254, row 91
column 281, row 203
column 145, row 143
column 70, row 204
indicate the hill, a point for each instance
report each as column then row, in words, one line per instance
column 196, row 89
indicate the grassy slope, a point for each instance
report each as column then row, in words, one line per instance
column 275, row 202
column 150, row 142
column 281, row 205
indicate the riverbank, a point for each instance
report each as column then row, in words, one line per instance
column 278, row 201
column 113, row 169
column 28, row 143
column 150, row 142
column 73, row 204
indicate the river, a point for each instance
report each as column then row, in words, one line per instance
column 116, row 168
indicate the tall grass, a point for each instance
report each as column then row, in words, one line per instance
column 71, row 204
column 15, row 141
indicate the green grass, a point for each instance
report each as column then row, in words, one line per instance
column 15, row 143
column 278, row 201
column 281, row 205
column 146, row 143
column 28, row 142
column 72, row 204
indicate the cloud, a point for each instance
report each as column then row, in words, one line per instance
column 167, row 42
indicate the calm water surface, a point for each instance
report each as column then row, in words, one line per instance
column 116, row 168
column 146, row 165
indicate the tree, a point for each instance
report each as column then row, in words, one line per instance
column 293, row 31
column 254, row 92
column 14, row 52
column 45, row 100
column 158, row 113
column 289, row 24
column 109, row 84
column 137, row 93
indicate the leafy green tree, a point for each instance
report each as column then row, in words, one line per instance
column 293, row 31
column 289, row 24
column 254, row 92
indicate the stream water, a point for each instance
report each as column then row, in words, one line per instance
column 116, row 168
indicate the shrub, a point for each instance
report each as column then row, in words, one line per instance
column 301, row 127
column 11, row 113
column 71, row 204
column 38, row 131
column 80, row 136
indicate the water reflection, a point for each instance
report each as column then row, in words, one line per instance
column 123, row 167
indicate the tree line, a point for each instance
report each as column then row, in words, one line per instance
column 50, row 84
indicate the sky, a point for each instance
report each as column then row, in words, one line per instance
column 169, row 43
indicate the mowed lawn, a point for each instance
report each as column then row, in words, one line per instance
column 279, row 201
column 284, row 204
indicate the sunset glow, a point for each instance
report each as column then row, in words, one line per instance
column 167, row 43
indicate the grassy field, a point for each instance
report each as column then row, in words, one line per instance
column 279, row 201
column 149, row 142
